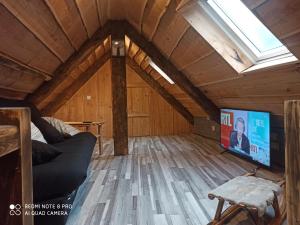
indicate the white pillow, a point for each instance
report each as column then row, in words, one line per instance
column 36, row 133
column 61, row 126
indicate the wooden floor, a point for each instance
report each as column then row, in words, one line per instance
column 163, row 181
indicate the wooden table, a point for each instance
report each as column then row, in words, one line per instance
column 87, row 126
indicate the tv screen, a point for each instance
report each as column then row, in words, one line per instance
column 247, row 133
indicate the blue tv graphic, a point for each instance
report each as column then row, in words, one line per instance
column 259, row 136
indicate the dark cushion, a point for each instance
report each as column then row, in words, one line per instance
column 42, row 152
column 65, row 173
column 50, row 133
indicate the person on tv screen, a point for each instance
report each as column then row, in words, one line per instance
column 238, row 140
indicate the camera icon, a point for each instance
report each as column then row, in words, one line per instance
column 15, row 209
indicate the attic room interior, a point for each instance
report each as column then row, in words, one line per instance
column 149, row 112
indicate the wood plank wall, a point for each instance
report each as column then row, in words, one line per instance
column 148, row 112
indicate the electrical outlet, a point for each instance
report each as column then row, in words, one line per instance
column 88, row 97
column 213, row 128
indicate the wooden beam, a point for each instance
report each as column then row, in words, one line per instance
column 23, row 68
column 292, row 158
column 69, row 91
column 161, row 90
column 62, row 71
column 177, row 76
column 119, row 94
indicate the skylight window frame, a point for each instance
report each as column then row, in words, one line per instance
column 241, row 40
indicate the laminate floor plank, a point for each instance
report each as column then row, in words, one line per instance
column 163, row 181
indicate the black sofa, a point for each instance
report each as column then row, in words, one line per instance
column 57, row 181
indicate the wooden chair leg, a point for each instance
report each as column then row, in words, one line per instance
column 219, row 210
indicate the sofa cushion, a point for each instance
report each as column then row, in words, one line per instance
column 62, row 127
column 36, row 134
column 42, row 152
column 66, row 172
column 50, row 133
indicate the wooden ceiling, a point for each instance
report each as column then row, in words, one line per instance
column 44, row 36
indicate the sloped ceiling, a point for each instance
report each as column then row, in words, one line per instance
column 41, row 35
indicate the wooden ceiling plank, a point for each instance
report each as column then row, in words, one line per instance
column 135, row 13
column 274, row 14
column 152, row 15
column 23, row 68
column 162, row 91
column 38, row 18
column 61, row 72
column 102, row 7
column 191, row 47
column 178, row 77
column 89, row 15
column 171, row 29
column 69, row 91
column 16, row 80
column 24, row 47
column 68, row 16
column 4, row 93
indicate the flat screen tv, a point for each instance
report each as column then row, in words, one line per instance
column 247, row 133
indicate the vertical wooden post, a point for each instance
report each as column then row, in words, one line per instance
column 292, row 160
column 119, row 92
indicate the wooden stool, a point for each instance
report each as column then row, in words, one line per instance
column 237, row 205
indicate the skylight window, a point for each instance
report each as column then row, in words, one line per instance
column 246, row 29
column 162, row 73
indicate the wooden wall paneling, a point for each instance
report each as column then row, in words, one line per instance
column 157, row 87
column 38, row 18
column 69, row 18
column 24, row 47
column 101, row 109
column 138, row 104
column 62, row 71
column 135, row 13
column 13, row 64
column 191, row 48
column 5, row 93
column 180, row 126
column 162, row 121
column 292, row 155
column 89, row 15
column 105, row 98
column 139, row 120
column 69, row 91
column 178, row 77
column 153, row 13
column 171, row 29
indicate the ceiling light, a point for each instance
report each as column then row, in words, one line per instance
column 162, row 73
